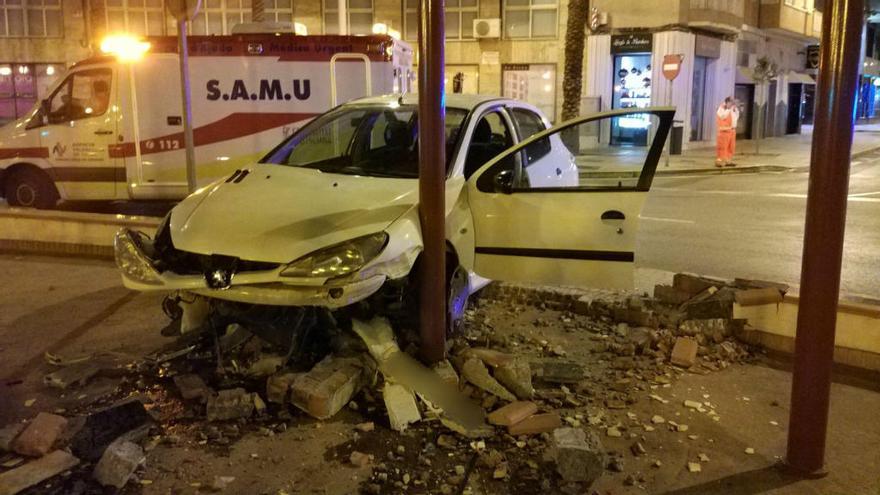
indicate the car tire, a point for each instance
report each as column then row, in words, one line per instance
column 30, row 189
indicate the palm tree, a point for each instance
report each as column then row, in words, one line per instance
column 764, row 71
column 575, row 37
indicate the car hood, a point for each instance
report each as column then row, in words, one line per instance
column 278, row 213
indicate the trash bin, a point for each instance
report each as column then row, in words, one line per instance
column 676, row 137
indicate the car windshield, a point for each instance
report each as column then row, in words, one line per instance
column 378, row 141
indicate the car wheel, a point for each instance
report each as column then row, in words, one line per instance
column 30, row 189
column 458, row 291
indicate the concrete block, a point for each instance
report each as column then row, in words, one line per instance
column 684, row 353
column 40, row 435
column 668, row 294
column 516, row 376
column 755, row 297
column 539, row 423
column 191, row 386
column 512, row 413
column 18, row 479
column 401, row 405
column 691, row 284
column 579, row 456
column 327, row 387
column 118, row 463
column 474, row 371
column 230, row 404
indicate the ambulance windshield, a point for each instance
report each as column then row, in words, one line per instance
column 377, row 141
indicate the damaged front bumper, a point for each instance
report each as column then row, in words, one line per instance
column 139, row 272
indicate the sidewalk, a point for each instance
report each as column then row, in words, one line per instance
column 778, row 154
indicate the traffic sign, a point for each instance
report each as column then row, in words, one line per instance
column 672, row 66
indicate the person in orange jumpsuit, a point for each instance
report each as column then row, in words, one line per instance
column 726, row 119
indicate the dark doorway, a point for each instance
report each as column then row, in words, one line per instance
column 770, row 111
column 809, row 103
column 745, row 95
column 795, row 106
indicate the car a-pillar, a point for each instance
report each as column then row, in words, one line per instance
column 27, row 185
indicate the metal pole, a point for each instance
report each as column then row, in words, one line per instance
column 669, row 138
column 823, row 235
column 342, row 11
column 432, row 180
column 186, row 99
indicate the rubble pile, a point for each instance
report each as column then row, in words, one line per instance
column 538, row 394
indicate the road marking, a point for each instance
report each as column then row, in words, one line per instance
column 858, row 195
column 670, row 220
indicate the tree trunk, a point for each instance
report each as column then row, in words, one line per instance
column 575, row 37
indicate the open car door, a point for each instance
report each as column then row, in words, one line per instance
column 563, row 206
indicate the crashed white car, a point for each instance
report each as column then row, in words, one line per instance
column 329, row 217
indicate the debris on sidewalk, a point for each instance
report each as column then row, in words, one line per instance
column 401, row 406
column 36, row 471
column 328, row 387
column 230, row 404
column 684, row 353
column 474, row 371
column 512, row 413
column 579, row 456
column 101, row 428
column 40, row 435
column 191, row 386
column 118, row 463
column 8, row 434
column 74, row 374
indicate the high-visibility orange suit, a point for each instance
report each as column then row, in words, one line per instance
column 725, row 144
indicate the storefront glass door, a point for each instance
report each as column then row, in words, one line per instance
column 632, row 89
column 698, row 99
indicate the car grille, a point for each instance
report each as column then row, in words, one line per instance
column 169, row 258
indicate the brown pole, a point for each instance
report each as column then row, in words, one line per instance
column 823, row 234
column 432, row 180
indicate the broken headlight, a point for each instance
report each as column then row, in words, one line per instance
column 131, row 261
column 338, row 260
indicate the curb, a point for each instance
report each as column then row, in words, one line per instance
column 749, row 169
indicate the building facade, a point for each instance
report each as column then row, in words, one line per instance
column 510, row 47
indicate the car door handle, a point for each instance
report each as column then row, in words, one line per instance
column 613, row 215
column 558, row 171
column 103, row 133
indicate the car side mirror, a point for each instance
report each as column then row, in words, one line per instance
column 503, row 181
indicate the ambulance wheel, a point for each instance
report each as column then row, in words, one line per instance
column 30, row 189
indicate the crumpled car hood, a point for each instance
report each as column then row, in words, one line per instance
column 278, row 213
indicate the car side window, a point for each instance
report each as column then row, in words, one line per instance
column 491, row 136
column 529, row 124
column 82, row 95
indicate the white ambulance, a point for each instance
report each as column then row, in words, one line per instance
column 112, row 128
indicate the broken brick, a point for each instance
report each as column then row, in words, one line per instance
column 37, row 471
column 490, row 357
column 40, row 435
column 637, row 317
column 327, row 387
column 474, row 371
column 401, row 405
column 516, row 376
column 578, row 455
column 684, row 353
column 230, row 404
column 709, row 308
column 191, row 386
column 754, row 297
column 359, row 459
column 691, row 284
column 557, row 371
column 118, row 463
column 668, row 294
column 714, row 329
column 512, row 413
column 539, row 423
column 278, row 386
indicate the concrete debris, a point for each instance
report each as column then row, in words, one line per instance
column 118, row 463
column 692, row 284
column 359, row 459
column 446, row 372
column 401, row 405
column 13, row 462
column 230, row 404
column 37, row 471
column 749, row 450
column 684, row 353
column 278, row 386
column 658, row 420
column 40, row 435
column 99, row 429
column 490, row 357
column 474, row 371
column 259, row 405
column 703, row 457
column 8, row 434
column 538, row 423
column 692, row 404
column 638, row 449
column 694, row 467
column 220, row 483
column 558, row 371
column 365, row 427
column 516, row 376
column 191, row 387
column 328, row 387
column 715, row 330
column 513, row 413
column 75, row 374
column 579, row 456
column 266, row 365
column 614, row 432
column 668, row 294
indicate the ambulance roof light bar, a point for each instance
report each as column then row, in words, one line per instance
column 382, row 28
column 125, row 47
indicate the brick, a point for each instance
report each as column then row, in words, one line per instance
column 684, row 353
column 327, row 387
column 40, row 435
column 512, row 413
column 191, row 386
column 709, row 308
column 668, row 294
column 691, row 284
column 278, row 386
column 12, row 482
column 754, row 297
column 714, row 329
column 118, row 463
column 539, row 423
column 401, row 405
column 516, row 376
column 230, row 404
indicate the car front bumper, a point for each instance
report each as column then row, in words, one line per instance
column 257, row 287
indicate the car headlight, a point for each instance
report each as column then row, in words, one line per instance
column 131, row 261
column 338, row 260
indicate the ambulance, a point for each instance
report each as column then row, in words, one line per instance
column 112, row 128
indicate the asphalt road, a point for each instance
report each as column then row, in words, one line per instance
column 751, row 225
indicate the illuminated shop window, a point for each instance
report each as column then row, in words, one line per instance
column 360, row 16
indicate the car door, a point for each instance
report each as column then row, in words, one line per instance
column 578, row 230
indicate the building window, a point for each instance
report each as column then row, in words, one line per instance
column 31, row 18
column 806, row 5
column 23, row 85
column 530, row 18
column 141, row 17
column 360, row 16
column 532, row 83
column 278, row 10
column 460, row 15
column 220, row 16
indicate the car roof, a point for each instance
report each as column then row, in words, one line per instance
column 455, row 100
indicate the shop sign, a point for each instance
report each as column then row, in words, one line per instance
column 631, row 43
column 813, row 57
column 672, row 66
column 707, row 46
column 515, row 67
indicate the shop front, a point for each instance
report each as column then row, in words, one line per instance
column 632, row 87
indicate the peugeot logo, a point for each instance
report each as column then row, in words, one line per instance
column 219, row 279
